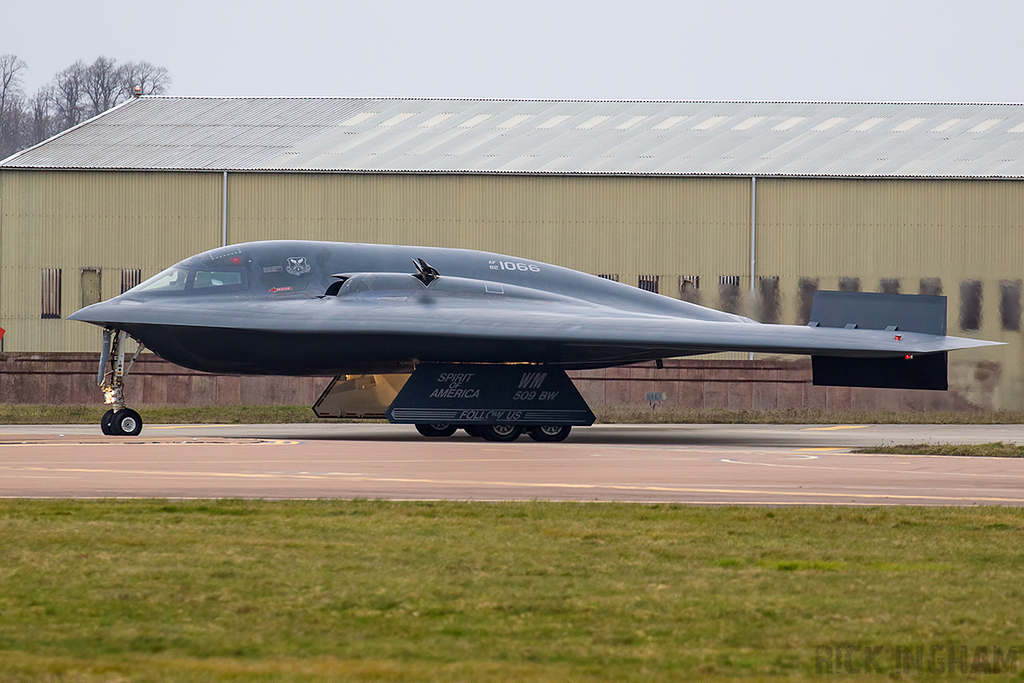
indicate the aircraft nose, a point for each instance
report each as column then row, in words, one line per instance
column 96, row 313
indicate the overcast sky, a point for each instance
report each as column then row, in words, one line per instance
column 867, row 50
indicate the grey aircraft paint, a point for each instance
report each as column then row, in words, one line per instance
column 320, row 308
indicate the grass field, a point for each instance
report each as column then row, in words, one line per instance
column 47, row 414
column 382, row 591
column 996, row 449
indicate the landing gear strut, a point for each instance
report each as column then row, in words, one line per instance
column 119, row 420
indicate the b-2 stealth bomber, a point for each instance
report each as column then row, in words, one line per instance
column 487, row 337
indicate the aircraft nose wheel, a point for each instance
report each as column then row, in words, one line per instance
column 124, row 422
column 117, row 421
column 105, row 422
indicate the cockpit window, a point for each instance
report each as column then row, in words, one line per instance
column 233, row 279
column 171, row 280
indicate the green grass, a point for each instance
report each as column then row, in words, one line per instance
column 46, row 414
column 153, row 590
column 997, row 449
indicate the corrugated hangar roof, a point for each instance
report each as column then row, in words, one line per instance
column 543, row 137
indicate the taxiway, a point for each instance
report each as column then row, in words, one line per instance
column 709, row 464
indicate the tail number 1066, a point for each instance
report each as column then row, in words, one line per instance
column 511, row 265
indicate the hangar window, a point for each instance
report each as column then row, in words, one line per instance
column 849, row 284
column 768, row 298
column 1009, row 304
column 91, row 291
column 51, row 292
column 931, row 286
column 614, row 277
column 805, row 289
column 889, row 285
column 689, row 288
column 648, row 283
column 729, row 293
column 130, row 277
column 970, row 305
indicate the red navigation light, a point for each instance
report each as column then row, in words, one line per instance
column 236, row 260
column 899, row 337
column 908, row 356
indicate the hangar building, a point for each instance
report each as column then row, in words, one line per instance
column 744, row 206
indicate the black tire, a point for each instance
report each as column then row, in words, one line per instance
column 436, row 430
column 126, row 422
column 500, row 432
column 106, row 422
column 550, row 433
column 473, row 430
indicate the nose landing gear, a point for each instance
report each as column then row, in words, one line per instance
column 119, row 420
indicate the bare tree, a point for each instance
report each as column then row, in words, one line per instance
column 69, row 95
column 12, row 101
column 74, row 94
column 41, row 108
column 152, row 80
column 10, row 80
column 104, row 85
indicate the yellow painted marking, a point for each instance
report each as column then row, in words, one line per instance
column 184, row 426
column 353, row 476
column 835, row 428
column 198, row 442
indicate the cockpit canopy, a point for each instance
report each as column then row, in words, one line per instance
column 267, row 267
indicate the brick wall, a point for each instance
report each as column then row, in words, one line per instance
column 70, row 379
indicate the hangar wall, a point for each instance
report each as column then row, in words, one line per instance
column 963, row 236
column 108, row 221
